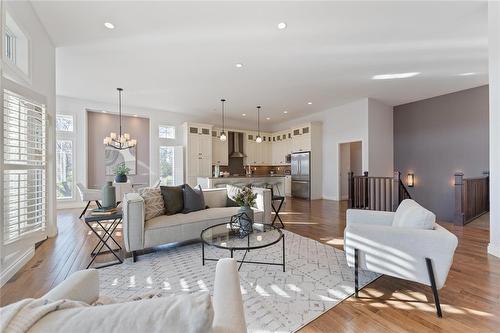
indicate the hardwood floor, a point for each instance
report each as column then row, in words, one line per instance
column 470, row 300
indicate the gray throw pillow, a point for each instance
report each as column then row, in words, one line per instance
column 173, row 199
column 193, row 199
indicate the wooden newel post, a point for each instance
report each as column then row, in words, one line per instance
column 459, row 185
column 350, row 190
column 396, row 197
column 366, row 194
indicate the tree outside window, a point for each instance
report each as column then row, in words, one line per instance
column 167, row 165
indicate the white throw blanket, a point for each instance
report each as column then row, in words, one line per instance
column 20, row 316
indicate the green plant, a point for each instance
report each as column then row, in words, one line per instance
column 245, row 197
column 121, row 169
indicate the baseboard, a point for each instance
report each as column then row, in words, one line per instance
column 326, row 197
column 494, row 249
column 8, row 272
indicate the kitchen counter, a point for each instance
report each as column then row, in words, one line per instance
column 278, row 181
column 252, row 176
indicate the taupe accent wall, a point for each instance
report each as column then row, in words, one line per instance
column 99, row 126
column 438, row 136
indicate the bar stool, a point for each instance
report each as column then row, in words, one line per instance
column 276, row 185
column 281, row 200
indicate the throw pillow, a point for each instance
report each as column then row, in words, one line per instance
column 193, row 199
column 173, row 199
column 153, row 202
column 231, row 193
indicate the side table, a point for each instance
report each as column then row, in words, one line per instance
column 107, row 224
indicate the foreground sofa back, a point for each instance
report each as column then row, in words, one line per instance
column 140, row 316
column 139, row 234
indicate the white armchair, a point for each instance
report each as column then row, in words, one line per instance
column 406, row 244
column 88, row 195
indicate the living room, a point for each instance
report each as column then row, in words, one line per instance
column 262, row 167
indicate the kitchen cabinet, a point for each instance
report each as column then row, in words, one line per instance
column 301, row 139
column 220, row 149
column 198, row 151
column 288, row 185
column 257, row 153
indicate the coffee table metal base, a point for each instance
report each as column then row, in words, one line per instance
column 242, row 261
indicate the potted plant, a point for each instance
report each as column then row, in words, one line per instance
column 245, row 198
column 121, row 172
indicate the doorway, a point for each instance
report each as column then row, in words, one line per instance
column 350, row 159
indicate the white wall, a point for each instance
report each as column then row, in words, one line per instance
column 380, row 139
column 41, row 81
column 494, row 77
column 345, row 123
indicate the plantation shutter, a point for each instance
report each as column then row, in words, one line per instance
column 24, row 128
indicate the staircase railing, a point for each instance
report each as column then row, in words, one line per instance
column 471, row 197
column 376, row 193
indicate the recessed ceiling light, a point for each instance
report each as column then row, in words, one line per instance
column 109, row 25
column 281, row 25
column 394, row 76
column 268, row 118
column 285, row 112
column 309, row 103
column 244, row 114
column 239, row 65
column 467, row 74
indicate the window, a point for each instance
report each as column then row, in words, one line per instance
column 10, row 45
column 167, row 165
column 16, row 47
column 171, row 165
column 64, row 157
column 24, row 172
column 64, row 123
column 167, row 132
column 64, row 169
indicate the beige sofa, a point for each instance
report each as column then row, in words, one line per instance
column 151, row 315
column 139, row 234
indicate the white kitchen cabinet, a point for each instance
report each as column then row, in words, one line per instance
column 301, row 139
column 288, row 185
column 198, row 151
column 220, row 150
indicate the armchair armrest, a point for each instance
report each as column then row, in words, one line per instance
column 401, row 252
column 263, row 202
column 133, row 222
column 229, row 316
column 82, row 286
column 356, row 216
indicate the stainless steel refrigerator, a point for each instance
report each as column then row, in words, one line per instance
column 301, row 177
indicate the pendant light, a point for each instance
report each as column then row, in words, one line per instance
column 258, row 139
column 119, row 142
column 223, row 136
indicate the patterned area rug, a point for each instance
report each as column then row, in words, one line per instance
column 316, row 279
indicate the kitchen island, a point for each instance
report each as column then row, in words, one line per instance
column 213, row 182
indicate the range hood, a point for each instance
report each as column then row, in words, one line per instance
column 236, row 149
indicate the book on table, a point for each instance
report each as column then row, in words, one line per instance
column 103, row 211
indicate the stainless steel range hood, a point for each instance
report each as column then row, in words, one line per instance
column 237, row 147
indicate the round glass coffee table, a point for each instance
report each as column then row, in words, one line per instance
column 227, row 236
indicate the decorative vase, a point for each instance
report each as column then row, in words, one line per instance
column 246, row 221
column 121, row 178
column 108, row 195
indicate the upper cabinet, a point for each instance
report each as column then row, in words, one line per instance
column 220, row 149
column 301, row 138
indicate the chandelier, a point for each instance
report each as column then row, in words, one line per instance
column 120, row 141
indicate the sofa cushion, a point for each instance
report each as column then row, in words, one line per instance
column 411, row 215
column 193, row 199
column 182, row 313
column 153, row 202
column 210, row 214
column 173, row 199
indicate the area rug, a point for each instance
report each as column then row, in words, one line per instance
column 316, row 279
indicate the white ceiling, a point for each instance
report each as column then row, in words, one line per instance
column 181, row 56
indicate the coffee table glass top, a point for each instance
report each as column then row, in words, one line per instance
column 227, row 236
